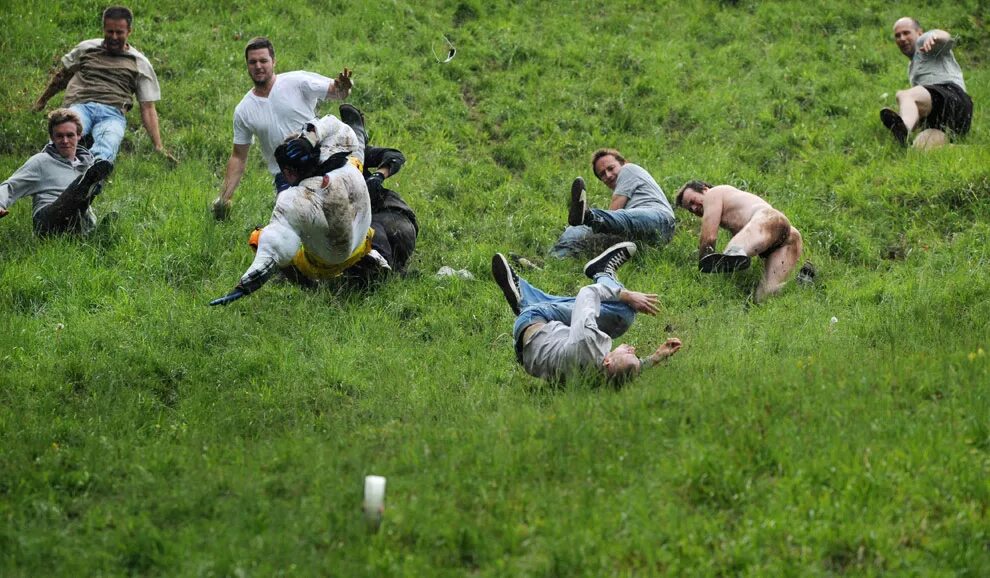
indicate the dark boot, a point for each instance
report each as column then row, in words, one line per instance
column 354, row 118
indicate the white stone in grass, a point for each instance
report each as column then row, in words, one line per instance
column 374, row 501
column 446, row 271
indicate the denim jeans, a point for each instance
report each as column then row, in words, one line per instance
column 107, row 125
column 614, row 318
column 631, row 224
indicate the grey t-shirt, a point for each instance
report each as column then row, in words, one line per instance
column 936, row 67
column 643, row 192
column 558, row 349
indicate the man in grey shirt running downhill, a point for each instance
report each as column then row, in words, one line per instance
column 937, row 99
column 638, row 210
column 557, row 337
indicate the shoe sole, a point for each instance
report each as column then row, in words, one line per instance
column 579, row 203
column 719, row 263
column 502, row 273
column 895, row 125
column 628, row 245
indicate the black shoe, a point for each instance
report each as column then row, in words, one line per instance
column 894, row 124
column 807, row 274
column 89, row 184
column 579, row 203
column 507, row 280
column 354, row 118
column 721, row 263
column 610, row 259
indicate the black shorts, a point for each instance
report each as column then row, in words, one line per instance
column 952, row 109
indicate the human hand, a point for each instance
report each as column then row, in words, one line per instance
column 221, row 208
column 640, row 302
column 931, row 42
column 343, row 81
column 670, row 347
column 376, row 187
column 3, row 212
column 168, row 155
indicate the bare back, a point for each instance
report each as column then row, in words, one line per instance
column 738, row 206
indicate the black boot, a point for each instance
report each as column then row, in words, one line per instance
column 354, row 118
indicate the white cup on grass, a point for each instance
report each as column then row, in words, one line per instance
column 374, row 501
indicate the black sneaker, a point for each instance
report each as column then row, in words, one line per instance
column 610, row 259
column 894, row 124
column 721, row 263
column 579, row 203
column 507, row 280
column 807, row 274
column 88, row 185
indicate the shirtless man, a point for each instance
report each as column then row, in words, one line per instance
column 756, row 227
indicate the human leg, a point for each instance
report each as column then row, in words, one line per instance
column 778, row 265
column 913, row 104
column 71, row 209
column 354, row 118
column 571, row 242
column 614, row 317
column 105, row 124
column 766, row 230
column 647, row 224
column 401, row 234
column 951, row 112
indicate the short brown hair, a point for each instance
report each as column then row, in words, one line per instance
column 257, row 43
column 119, row 13
column 606, row 153
column 699, row 186
column 62, row 116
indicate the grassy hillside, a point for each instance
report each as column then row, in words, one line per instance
column 142, row 432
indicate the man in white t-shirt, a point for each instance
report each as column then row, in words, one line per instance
column 275, row 108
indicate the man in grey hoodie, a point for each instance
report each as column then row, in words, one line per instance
column 61, row 180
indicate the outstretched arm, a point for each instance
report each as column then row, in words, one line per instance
column 710, row 220
column 640, row 302
column 56, row 85
column 340, row 88
column 669, row 348
column 149, row 118
column 231, row 178
column 936, row 39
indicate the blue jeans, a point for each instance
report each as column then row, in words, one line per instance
column 614, row 318
column 107, row 125
column 632, row 224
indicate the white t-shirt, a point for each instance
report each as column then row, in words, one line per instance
column 288, row 107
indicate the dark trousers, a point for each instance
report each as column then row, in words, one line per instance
column 395, row 240
column 67, row 213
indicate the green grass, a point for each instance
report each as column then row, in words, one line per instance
column 142, row 432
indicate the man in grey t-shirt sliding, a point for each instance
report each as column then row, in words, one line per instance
column 937, row 100
column 638, row 210
column 560, row 337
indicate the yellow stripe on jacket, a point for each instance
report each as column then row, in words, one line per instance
column 318, row 270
